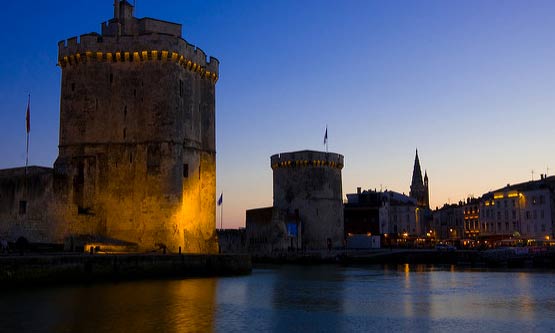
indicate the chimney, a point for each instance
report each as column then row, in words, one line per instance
column 359, row 190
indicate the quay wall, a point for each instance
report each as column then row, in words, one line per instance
column 464, row 258
column 60, row 269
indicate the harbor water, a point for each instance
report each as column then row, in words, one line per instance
column 325, row 298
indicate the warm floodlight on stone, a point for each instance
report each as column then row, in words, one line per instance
column 136, row 169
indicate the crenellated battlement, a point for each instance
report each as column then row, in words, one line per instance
column 93, row 47
column 128, row 39
column 306, row 158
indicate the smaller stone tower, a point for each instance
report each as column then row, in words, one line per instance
column 308, row 184
column 419, row 187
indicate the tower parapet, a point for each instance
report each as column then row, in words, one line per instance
column 128, row 39
column 93, row 47
column 307, row 158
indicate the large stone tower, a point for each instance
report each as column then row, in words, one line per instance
column 308, row 184
column 419, row 187
column 137, row 136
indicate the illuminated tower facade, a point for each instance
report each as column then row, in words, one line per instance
column 137, row 136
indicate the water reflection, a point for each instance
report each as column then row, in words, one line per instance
column 296, row 298
column 415, row 295
column 315, row 293
column 170, row 306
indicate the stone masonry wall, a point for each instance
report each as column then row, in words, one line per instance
column 26, row 206
column 310, row 182
column 137, row 139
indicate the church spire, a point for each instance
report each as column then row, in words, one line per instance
column 416, row 173
column 419, row 187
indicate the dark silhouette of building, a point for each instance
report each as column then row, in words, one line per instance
column 419, row 187
column 362, row 212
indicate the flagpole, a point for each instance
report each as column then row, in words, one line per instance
column 27, row 128
column 222, row 211
column 222, row 216
column 326, row 138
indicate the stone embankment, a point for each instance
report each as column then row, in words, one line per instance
column 473, row 258
column 64, row 268
column 543, row 257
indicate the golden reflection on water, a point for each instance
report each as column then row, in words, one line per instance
column 407, row 301
column 164, row 306
column 525, row 301
column 406, row 270
column 429, row 295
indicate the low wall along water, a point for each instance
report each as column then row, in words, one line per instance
column 56, row 269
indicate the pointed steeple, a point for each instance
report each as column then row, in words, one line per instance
column 416, row 173
column 419, row 188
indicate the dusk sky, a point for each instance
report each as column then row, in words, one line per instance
column 471, row 84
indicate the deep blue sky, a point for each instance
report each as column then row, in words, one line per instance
column 469, row 83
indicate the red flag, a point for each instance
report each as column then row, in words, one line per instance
column 28, row 115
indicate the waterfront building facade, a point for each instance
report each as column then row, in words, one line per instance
column 399, row 215
column 448, row 222
column 523, row 210
column 471, row 213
